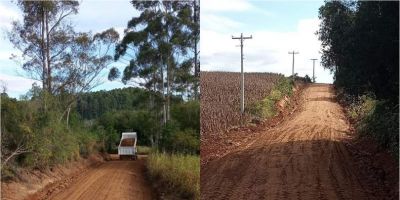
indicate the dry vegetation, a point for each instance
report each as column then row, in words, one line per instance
column 220, row 97
column 177, row 174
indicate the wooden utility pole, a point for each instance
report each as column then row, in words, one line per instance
column 242, row 74
column 293, row 52
column 313, row 68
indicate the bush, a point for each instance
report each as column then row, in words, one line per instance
column 144, row 150
column 178, row 173
column 266, row 107
column 376, row 118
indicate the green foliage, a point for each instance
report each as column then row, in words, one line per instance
column 180, row 141
column 44, row 138
column 94, row 104
column 144, row 150
column 141, row 121
column 178, row 173
column 187, row 114
column 360, row 46
column 382, row 124
column 378, row 119
column 163, row 38
column 266, row 108
column 180, row 134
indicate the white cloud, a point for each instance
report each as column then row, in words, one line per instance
column 16, row 85
column 266, row 52
column 216, row 22
column 7, row 15
column 224, row 5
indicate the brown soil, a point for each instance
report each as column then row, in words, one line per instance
column 127, row 142
column 216, row 145
column 115, row 179
column 311, row 155
column 31, row 181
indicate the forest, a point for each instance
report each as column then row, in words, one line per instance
column 360, row 43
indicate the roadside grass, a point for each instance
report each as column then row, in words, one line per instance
column 266, row 108
column 375, row 118
column 144, row 150
column 179, row 173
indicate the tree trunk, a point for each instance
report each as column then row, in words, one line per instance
column 164, row 99
column 168, row 89
column 44, row 70
column 69, row 109
column 49, row 87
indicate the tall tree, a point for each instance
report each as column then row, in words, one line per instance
column 53, row 53
column 66, row 62
column 158, row 44
column 43, row 37
column 360, row 45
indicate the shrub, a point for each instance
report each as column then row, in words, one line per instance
column 266, row 108
column 144, row 150
column 376, row 118
column 178, row 173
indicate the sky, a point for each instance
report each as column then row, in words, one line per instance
column 276, row 27
column 94, row 16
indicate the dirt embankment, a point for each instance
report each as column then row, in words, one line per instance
column 32, row 181
column 114, row 179
column 312, row 155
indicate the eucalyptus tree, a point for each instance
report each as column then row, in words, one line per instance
column 66, row 62
column 159, row 45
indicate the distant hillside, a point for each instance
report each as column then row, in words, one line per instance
column 93, row 104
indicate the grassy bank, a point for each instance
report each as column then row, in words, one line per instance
column 176, row 172
column 375, row 118
column 266, row 108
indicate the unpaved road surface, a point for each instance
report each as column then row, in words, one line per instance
column 302, row 158
column 116, row 179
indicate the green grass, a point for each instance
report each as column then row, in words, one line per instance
column 179, row 173
column 266, row 108
column 143, row 150
column 376, row 118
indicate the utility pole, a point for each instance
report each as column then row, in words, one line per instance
column 241, row 65
column 293, row 52
column 313, row 68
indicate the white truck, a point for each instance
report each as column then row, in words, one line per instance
column 127, row 145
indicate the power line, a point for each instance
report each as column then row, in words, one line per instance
column 241, row 38
column 313, row 68
column 293, row 52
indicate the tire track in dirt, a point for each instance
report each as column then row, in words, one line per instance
column 116, row 179
column 302, row 158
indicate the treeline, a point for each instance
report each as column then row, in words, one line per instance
column 92, row 105
column 360, row 41
column 128, row 109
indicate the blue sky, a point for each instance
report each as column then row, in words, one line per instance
column 94, row 16
column 277, row 27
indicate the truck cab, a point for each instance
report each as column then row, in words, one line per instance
column 127, row 146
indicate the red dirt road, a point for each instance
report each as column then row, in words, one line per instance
column 114, row 179
column 304, row 157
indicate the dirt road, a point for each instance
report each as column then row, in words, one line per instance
column 112, row 180
column 302, row 158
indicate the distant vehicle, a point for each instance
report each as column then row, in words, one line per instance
column 127, row 146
